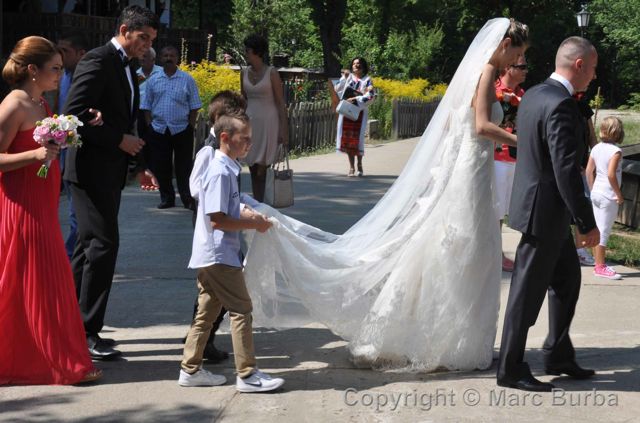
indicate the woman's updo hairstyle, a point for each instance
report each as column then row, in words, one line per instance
column 31, row 50
column 518, row 32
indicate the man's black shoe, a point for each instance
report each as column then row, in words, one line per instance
column 569, row 368
column 166, row 205
column 98, row 350
column 214, row 355
column 527, row 383
column 109, row 342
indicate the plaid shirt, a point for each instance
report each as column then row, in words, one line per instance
column 170, row 99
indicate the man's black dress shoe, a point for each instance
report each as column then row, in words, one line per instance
column 569, row 368
column 166, row 205
column 98, row 350
column 109, row 342
column 214, row 355
column 527, row 383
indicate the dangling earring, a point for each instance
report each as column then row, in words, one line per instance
column 34, row 78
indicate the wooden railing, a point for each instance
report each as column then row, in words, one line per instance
column 411, row 117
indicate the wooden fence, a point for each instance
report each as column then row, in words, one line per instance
column 410, row 118
column 313, row 125
column 629, row 211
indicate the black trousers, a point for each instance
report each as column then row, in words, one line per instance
column 541, row 266
column 167, row 150
column 94, row 258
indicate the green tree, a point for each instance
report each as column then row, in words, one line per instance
column 328, row 16
column 287, row 25
column 619, row 21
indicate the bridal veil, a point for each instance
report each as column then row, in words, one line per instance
column 415, row 283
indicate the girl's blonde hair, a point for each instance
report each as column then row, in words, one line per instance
column 611, row 130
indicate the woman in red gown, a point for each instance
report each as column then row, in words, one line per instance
column 42, row 338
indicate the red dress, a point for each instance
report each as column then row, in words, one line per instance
column 42, row 338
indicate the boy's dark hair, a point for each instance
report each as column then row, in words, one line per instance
column 77, row 39
column 258, row 44
column 229, row 123
column 224, row 103
column 135, row 17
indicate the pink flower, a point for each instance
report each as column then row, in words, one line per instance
column 41, row 134
column 59, row 136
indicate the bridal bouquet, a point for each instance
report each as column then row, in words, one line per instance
column 58, row 129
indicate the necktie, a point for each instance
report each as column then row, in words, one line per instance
column 124, row 58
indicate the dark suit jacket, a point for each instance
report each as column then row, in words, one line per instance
column 100, row 82
column 548, row 190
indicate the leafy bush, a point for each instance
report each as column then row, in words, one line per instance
column 381, row 109
column 419, row 88
column 390, row 89
column 634, row 102
column 211, row 79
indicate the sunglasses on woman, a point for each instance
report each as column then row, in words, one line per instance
column 520, row 67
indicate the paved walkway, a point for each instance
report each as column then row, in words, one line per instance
column 152, row 299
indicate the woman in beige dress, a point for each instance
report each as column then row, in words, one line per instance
column 262, row 87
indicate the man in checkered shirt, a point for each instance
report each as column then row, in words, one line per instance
column 170, row 106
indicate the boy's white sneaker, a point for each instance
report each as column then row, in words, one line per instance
column 201, row 378
column 258, row 382
column 586, row 259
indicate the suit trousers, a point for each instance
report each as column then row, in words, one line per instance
column 220, row 286
column 167, row 150
column 541, row 266
column 94, row 258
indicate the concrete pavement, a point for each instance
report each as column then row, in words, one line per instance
column 152, row 299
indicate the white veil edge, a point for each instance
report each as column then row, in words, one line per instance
column 298, row 274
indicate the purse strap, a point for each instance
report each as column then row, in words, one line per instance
column 282, row 155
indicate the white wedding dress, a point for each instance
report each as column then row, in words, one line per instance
column 414, row 285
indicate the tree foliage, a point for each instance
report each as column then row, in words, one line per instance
column 619, row 21
column 424, row 38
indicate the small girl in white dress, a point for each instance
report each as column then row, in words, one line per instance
column 604, row 173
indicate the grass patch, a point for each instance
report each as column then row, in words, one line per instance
column 624, row 246
column 631, row 131
column 624, row 249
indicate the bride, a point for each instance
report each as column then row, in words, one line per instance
column 413, row 285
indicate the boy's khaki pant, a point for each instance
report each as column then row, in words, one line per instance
column 221, row 285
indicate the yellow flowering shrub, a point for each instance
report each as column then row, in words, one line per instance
column 419, row 88
column 212, row 78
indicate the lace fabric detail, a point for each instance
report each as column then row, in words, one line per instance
column 414, row 285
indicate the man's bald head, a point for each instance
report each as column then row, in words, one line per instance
column 577, row 60
column 572, row 49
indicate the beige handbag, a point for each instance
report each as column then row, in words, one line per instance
column 279, row 185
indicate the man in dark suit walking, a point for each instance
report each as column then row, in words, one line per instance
column 547, row 194
column 97, row 171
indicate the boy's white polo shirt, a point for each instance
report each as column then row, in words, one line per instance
column 218, row 192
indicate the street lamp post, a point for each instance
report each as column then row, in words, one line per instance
column 583, row 19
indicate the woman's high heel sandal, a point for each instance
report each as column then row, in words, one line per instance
column 91, row 376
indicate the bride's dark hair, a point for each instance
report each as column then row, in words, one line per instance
column 518, row 32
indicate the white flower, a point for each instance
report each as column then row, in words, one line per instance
column 65, row 124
